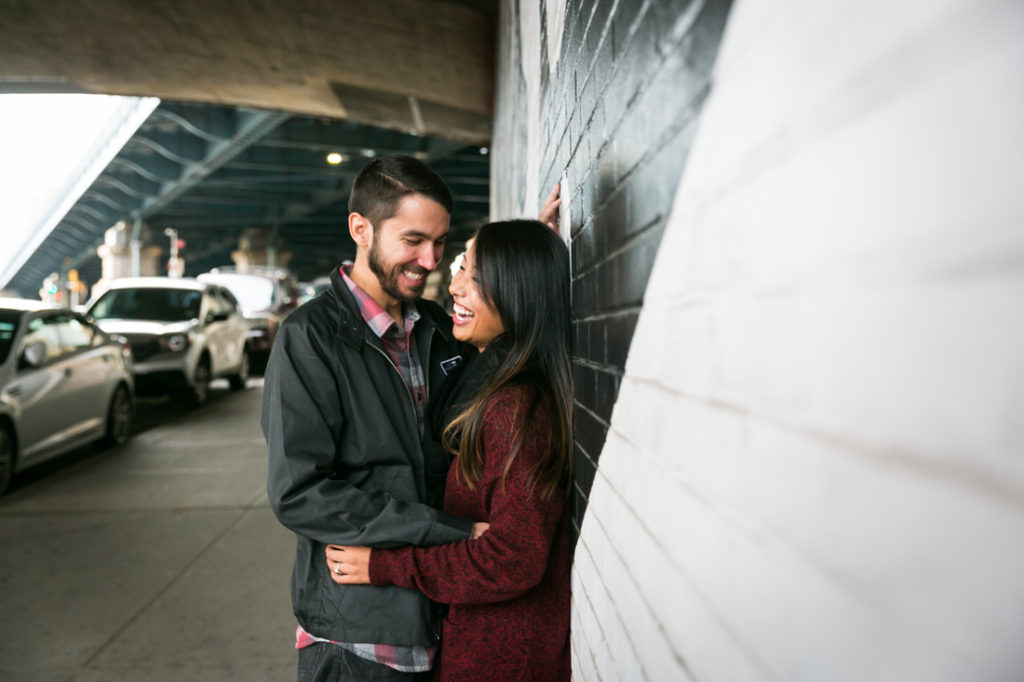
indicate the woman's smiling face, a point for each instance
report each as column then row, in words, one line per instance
column 475, row 322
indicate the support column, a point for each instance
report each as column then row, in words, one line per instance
column 124, row 257
column 258, row 247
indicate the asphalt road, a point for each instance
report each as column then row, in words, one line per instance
column 159, row 560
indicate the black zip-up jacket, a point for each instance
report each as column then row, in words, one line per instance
column 347, row 464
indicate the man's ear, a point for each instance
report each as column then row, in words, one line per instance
column 360, row 229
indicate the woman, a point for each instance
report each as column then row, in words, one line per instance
column 509, row 427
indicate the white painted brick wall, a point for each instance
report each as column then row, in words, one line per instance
column 816, row 464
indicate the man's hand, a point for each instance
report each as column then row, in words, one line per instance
column 549, row 211
column 479, row 528
column 349, row 565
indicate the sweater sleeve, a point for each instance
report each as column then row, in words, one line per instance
column 511, row 557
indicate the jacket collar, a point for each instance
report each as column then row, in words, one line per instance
column 351, row 327
column 353, row 330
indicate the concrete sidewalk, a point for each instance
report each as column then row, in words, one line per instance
column 159, row 560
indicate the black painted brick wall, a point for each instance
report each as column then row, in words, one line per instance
column 618, row 118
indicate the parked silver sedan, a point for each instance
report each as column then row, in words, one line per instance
column 63, row 383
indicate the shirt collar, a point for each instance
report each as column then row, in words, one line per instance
column 376, row 318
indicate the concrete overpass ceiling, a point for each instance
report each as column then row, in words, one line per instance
column 220, row 155
column 423, row 65
column 213, row 173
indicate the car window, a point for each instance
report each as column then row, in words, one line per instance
column 227, row 300
column 214, row 304
column 230, row 299
column 98, row 337
column 76, row 334
column 43, row 330
column 9, row 321
column 156, row 304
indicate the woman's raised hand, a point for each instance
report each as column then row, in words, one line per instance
column 549, row 211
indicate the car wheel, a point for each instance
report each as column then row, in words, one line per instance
column 200, row 390
column 119, row 418
column 6, row 458
column 238, row 380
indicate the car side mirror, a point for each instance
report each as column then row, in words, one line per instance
column 219, row 316
column 33, row 355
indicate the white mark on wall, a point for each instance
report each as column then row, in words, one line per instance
column 564, row 214
column 529, row 34
column 555, row 15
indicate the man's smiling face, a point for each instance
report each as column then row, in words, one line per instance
column 408, row 246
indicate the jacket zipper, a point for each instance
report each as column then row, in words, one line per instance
column 391, row 362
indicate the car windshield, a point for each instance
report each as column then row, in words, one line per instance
column 155, row 304
column 253, row 293
column 9, row 320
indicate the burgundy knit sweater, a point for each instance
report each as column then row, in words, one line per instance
column 509, row 589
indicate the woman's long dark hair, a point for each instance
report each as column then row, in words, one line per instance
column 522, row 268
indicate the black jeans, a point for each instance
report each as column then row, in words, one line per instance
column 324, row 662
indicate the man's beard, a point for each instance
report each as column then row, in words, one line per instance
column 388, row 279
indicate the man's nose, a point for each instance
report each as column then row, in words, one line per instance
column 427, row 258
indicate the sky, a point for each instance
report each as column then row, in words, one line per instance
column 44, row 140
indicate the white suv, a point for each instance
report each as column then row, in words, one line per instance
column 183, row 333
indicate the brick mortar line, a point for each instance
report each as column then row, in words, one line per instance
column 594, row 515
column 593, row 611
column 618, row 611
column 623, row 247
column 601, row 366
column 689, row 111
column 726, row 514
column 951, row 473
column 610, row 312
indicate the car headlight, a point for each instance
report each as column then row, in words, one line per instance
column 125, row 344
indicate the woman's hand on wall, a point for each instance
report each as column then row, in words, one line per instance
column 549, row 211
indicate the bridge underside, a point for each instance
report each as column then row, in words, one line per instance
column 414, row 65
column 255, row 97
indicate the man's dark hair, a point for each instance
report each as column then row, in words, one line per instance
column 379, row 187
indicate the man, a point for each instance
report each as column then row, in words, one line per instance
column 343, row 408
